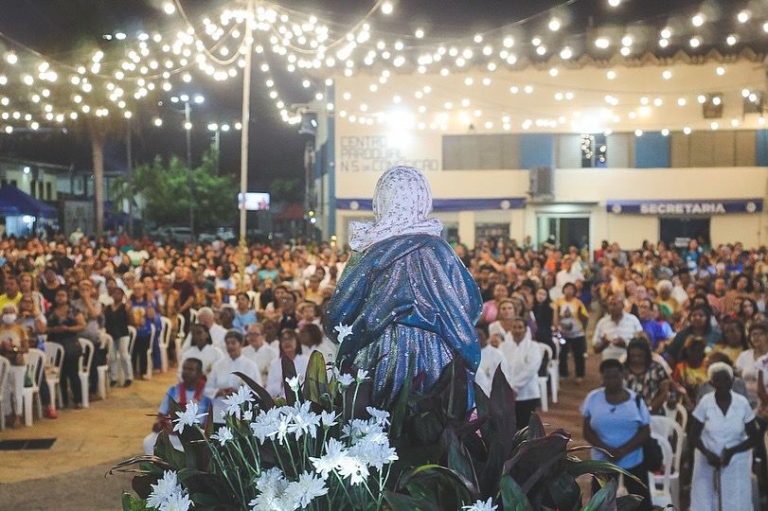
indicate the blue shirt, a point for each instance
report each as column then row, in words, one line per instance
column 242, row 321
column 204, row 404
column 655, row 332
column 616, row 424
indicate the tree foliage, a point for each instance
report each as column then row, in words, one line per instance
column 166, row 191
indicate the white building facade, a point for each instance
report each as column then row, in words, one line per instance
column 660, row 150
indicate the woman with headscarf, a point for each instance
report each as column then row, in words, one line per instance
column 723, row 431
column 405, row 300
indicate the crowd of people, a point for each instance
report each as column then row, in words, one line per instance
column 670, row 325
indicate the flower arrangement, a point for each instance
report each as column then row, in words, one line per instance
column 326, row 448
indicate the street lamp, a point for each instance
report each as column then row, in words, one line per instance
column 198, row 99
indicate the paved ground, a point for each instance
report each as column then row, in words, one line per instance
column 71, row 476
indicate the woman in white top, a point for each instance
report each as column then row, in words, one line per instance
column 523, row 356
column 289, row 348
column 502, row 327
column 491, row 358
column 201, row 348
column 723, row 431
column 752, row 361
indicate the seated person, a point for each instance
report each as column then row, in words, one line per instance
column 191, row 388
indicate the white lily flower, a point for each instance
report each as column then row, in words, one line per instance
column 188, row 417
column 223, row 435
column 234, row 401
column 293, row 383
column 353, row 469
column 306, row 489
column 344, row 331
column 481, row 506
column 334, row 454
column 304, row 421
column 328, row 419
column 362, row 375
column 345, row 380
column 380, row 416
column 373, row 454
column 177, row 502
column 168, row 494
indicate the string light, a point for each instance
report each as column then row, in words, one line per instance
column 387, row 8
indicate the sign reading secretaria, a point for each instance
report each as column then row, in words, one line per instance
column 685, row 207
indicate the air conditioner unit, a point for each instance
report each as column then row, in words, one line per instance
column 542, row 183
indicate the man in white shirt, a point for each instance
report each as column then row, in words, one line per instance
column 614, row 330
column 523, row 356
column 258, row 350
column 222, row 382
column 568, row 274
column 206, row 318
column 201, row 349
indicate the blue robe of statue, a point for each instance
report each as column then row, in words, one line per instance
column 406, row 297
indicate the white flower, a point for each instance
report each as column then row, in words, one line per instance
column 223, row 435
column 282, row 429
column 334, row 453
column 362, row 375
column 271, row 481
column 354, row 469
column 344, row 331
column 304, row 422
column 358, row 430
column 188, row 417
column 328, row 419
column 293, row 383
column 168, row 495
column 177, row 502
column 481, row 506
column 248, row 415
column 380, row 416
column 164, row 489
column 345, row 380
column 273, row 485
column 306, row 489
column 236, row 399
column 373, row 454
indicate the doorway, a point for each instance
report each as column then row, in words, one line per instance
column 566, row 230
column 679, row 231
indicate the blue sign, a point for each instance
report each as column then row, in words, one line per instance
column 444, row 204
column 705, row 207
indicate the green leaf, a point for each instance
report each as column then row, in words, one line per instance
column 512, row 496
column 437, row 484
column 400, row 502
column 603, row 500
column 289, row 371
column 537, row 459
column 577, row 467
column 628, row 502
column 400, row 410
column 316, row 378
column 564, row 492
column 459, row 460
column 263, row 399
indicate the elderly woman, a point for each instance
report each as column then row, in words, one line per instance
column 723, row 431
column 14, row 346
column 405, row 301
column 616, row 421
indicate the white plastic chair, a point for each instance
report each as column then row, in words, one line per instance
column 546, row 351
column 674, row 433
column 679, row 414
column 165, row 341
column 35, row 368
column 54, row 360
column 253, row 299
column 84, row 369
column 5, row 368
column 152, row 331
column 192, row 316
column 553, row 368
column 179, row 340
column 660, row 486
column 103, row 370
column 131, row 340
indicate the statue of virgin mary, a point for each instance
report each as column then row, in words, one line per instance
column 405, row 299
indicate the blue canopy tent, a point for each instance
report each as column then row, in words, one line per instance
column 15, row 203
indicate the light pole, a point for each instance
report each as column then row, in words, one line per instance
column 197, row 99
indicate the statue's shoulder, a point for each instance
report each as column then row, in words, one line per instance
column 400, row 246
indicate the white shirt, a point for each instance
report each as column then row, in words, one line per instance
column 263, row 357
column 495, row 328
column 217, row 332
column 221, row 377
column 626, row 328
column 748, row 368
column 209, row 355
column 490, row 359
column 524, row 360
column 275, row 377
column 328, row 349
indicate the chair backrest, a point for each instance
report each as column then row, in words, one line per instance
column 5, row 369
column 253, row 298
column 54, row 355
column 546, row 351
column 667, row 455
column 35, row 365
column 152, row 332
column 131, row 338
column 673, row 432
column 87, row 357
column 192, row 316
column 109, row 344
column 165, row 332
column 678, row 413
column 182, row 324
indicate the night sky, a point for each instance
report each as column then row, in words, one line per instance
column 61, row 28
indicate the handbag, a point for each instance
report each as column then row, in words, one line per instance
column 653, row 458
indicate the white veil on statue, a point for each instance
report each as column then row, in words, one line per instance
column 402, row 202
